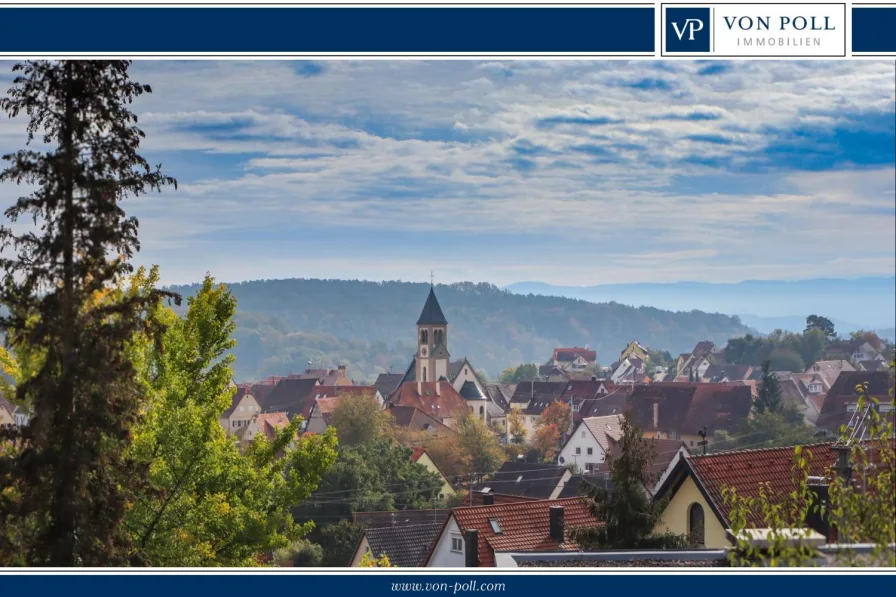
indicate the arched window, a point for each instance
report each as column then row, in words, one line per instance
column 481, row 411
column 696, row 529
column 424, row 374
column 438, row 337
column 424, row 337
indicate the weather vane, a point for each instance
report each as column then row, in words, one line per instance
column 432, row 278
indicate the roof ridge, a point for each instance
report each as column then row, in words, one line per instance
column 750, row 450
column 529, row 502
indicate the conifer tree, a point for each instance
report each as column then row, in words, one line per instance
column 769, row 396
column 66, row 488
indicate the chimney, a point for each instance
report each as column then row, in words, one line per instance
column 593, row 378
column 438, row 388
column 342, row 373
column 656, row 414
column 818, row 520
column 557, row 524
column 471, row 548
column 419, row 388
column 488, row 499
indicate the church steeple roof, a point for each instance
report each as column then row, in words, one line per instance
column 432, row 312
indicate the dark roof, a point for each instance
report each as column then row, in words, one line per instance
column 292, row 396
column 375, row 520
column 665, row 451
column 432, row 312
column 574, row 485
column 538, row 394
column 570, row 354
column 526, row 479
column 715, row 373
column 387, row 383
column 240, row 393
column 873, row 365
column 687, row 407
column 836, row 412
column 703, row 349
column 612, row 403
column 471, row 391
column 496, row 393
column 405, row 545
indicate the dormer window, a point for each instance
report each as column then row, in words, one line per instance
column 496, row 526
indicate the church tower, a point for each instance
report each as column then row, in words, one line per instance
column 432, row 341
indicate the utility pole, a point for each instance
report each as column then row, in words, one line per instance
column 702, row 442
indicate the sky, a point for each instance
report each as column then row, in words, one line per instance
column 570, row 173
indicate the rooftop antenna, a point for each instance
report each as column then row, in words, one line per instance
column 702, row 442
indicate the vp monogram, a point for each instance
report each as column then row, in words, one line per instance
column 691, row 26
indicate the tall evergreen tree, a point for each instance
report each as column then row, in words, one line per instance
column 769, row 398
column 70, row 482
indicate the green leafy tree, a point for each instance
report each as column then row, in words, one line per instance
column 769, row 395
column 817, row 322
column 517, row 426
column 339, row 541
column 527, row 372
column 209, row 504
column 359, row 419
column 629, row 513
column 300, row 554
column 768, row 430
column 67, row 491
column 479, row 445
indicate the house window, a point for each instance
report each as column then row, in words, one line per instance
column 696, row 523
column 589, row 468
column 457, row 545
column 578, row 450
column 496, row 526
column 590, row 451
column 424, row 374
column 481, row 411
column 583, row 434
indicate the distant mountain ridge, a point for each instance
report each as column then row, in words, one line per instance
column 868, row 303
column 371, row 326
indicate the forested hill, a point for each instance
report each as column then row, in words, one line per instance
column 371, row 326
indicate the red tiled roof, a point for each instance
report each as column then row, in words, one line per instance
column 525, row 526
column 569, row 354
column 417, row 453
column 446, row 403
column 270, row 422
column 745, row 470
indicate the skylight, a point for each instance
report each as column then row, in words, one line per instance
column 496, row 527
column 520, row 478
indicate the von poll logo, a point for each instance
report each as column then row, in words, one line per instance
column 687, row 29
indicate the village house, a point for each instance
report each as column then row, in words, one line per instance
column 243, row 408
column 406, row 546
column 472, row 536
column 531, row 398
column 725, row 373
column 414, row 421
column 693, row 489
column 594, row 398
column 295, row 397
column 681, row 410
column 326, row 377
column 266, row 424
column 842, row 400
column 421, row 457
column 436, row 398
column 574, row 359
column 6, row 412
column 634, row 349
column 590, row 442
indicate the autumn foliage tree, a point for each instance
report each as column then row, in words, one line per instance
column 65, row 494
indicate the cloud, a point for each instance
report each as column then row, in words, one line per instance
column 575, row 172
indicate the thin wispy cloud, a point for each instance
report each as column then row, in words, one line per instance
column 566, row 172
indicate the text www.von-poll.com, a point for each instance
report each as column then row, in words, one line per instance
column 470, row 586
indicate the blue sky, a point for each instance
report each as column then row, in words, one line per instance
column 571, row 173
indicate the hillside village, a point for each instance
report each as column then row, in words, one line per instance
column 554, row 435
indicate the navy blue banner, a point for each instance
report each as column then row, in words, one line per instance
column 413, row 30
column 381, row 584
column 874, row 29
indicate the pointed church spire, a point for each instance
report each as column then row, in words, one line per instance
column 432, row 312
